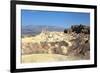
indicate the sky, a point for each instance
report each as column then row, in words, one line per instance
column 54, row 18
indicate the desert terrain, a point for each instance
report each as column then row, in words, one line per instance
column 47, row 46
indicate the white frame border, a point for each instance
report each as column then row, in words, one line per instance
column 52, row 64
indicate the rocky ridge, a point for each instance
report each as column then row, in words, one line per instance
column 64, row 43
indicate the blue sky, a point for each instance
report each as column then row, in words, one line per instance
column 53, row 18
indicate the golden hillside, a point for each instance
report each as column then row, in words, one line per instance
column 55, row 46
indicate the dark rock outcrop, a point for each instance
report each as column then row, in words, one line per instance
column 78, row 29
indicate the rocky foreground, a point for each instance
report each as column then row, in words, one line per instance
column 73, row 43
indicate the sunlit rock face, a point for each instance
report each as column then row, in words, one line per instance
column 71, row 43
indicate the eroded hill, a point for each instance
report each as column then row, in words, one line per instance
column 73, row 42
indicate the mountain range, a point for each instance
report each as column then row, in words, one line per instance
column 36, row 29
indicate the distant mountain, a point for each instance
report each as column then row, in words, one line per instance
column 36, row 29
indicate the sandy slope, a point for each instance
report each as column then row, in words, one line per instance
column 46, row 58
